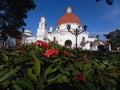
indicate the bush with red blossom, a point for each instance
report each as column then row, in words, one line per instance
column 41, row 65
column 42, row 43
column 50, row 52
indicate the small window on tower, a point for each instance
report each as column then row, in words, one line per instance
column 41, row 24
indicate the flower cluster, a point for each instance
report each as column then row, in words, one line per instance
column 21, row 51
column 50, row 52
column 66, row 53
column 80, row 76
column 42, row 43
column 118, row 71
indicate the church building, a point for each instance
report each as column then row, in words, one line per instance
column 69, row 33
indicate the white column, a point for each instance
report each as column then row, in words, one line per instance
column 109, row 47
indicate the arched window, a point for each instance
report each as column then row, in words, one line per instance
column 83, row 39
column 91, row 44
column 68, row 43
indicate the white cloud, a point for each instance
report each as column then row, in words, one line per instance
column 114, row 15
column 99, row 33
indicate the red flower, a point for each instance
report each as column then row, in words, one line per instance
column 50, row 52
column 21, row 51
column 66, row 53
column 80, row 76
column 42, row 43
column 4, row 47
column 118, row 71
column 76, row 77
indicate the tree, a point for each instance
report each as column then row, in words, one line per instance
column 114, row 38
column 13, row 13
column 109, row 2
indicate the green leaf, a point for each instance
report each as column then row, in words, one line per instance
column 80, row 66
column 36, row 65
column 17, row 87
column 31, row 75
column 91, row 86
column 59, row 78
column 54, row 56
column 87, row 67
column 51, row 80
column 2, row 66
column 25, row 83
column 50, row 70
column 114, row 75
column 103, row 82
column 90, row 74
column 112, row 82
column 9, row 74
column 2, row 73
column 65, row 58
column 5, row 57
column 111, row 67
column 65, row 79
column 64, row 71
column 72, row 55
column 97, row 65
column 70, row 68
column 56, row 60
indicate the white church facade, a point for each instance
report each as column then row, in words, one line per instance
column 69, row 32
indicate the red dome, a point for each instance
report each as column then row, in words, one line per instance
column 69, row 18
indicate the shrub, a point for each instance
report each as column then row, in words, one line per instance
column 42, row 66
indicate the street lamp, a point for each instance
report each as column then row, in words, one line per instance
column 77, row 32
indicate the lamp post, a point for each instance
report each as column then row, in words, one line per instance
column 77, row 32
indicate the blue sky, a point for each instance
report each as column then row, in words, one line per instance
column 99, row 17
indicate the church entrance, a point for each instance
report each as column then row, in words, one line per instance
column 68, row 43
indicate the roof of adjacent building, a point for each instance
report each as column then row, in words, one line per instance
column 92, row 37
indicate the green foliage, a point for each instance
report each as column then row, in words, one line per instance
column 27, row 68
column 114, row 38
column 109, row 2
column 13, row 13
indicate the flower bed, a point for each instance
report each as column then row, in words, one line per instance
column 48, row 66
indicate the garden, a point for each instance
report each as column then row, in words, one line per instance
column 49, row 66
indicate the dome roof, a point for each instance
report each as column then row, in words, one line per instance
column 69, row 17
